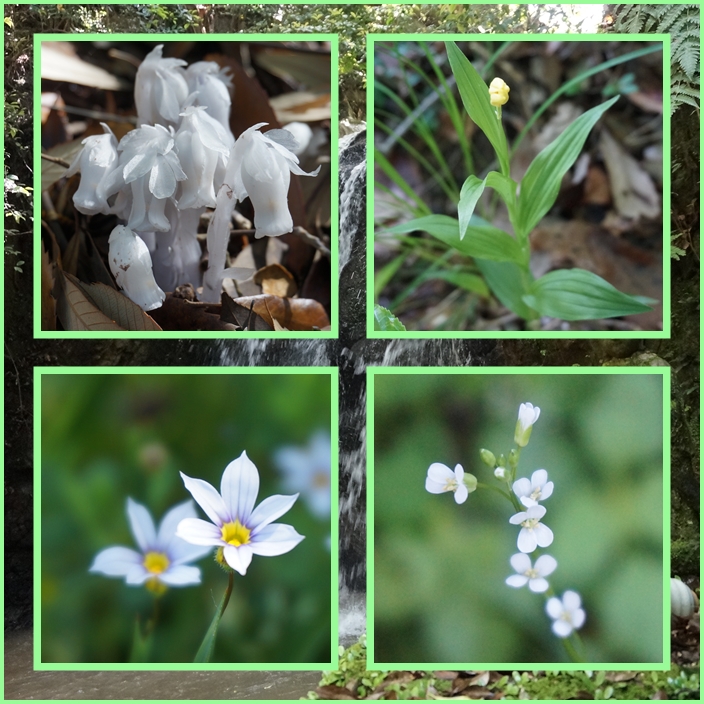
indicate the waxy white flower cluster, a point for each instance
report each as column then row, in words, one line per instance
column 181, row 159
column 567, row 613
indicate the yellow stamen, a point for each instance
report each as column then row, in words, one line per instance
column 156, row 562
column 235, row 533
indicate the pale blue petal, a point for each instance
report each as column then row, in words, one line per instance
column 198, row 532
column 269, row 510
column 141, row 525
column 275, row 539
column 116, row 561
column 238, row 558
column 239, row 488
column 208, row 499
column 180, row 575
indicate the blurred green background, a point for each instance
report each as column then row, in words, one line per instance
column 439, row 568
column 107, row 437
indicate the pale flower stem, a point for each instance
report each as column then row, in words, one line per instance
column 571, row 650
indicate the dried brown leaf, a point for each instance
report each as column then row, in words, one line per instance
column 121, row 309
column 75, row 309
column 291, row 313
column 332, row 691
column 276, row 280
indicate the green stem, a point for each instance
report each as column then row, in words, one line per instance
column 205, row 652
column 571, row 650
column 481, row 485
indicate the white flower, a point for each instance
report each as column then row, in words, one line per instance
column 212, row 85
column 131, row 265
column 533, row 532
column 533, row 576
column 307, row 470
column 160, row 88
column 237, row 527
column 527, row 415
column 202, row 144
column 531, row 491
column 162, row 557
column 264, row 164
column 96, row 161
column 441, row 479
column 567, row 613
column 500, row 472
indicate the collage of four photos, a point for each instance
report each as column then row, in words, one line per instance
column 351, row 352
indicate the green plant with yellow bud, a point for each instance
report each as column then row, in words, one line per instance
column 503, row 258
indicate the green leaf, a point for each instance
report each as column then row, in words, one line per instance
column 475, row 98
column 507, row 282
column 577, row 294
column 205, row 651
column 541, row 184
column 461, row 279
column 481, row 239
column 471, row 191
column 385, row 320
column 505, row 186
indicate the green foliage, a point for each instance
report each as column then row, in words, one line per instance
column 385, row 321
column 682, row 23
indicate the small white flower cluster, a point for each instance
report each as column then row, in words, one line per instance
column 162, row 175
column 237, row 529
column 567, row 613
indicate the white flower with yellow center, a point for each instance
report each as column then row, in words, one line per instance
column 441, row 479
column 531, row 491
column 161, row 559
column 532, row 575
column 533, row 533
column 567, row 613
column 239, row 529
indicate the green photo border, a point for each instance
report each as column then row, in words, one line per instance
column 665, row 333
column 334, row 188
column 333, row 373
column 664, row 372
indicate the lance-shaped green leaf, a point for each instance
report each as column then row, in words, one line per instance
column 205, row 651
column 471, row 191
column 577, row 294
column 475, row 98
column 385, row 320
column 541, row 184
column 509, row 283
column 481, row 239
column 505, row 186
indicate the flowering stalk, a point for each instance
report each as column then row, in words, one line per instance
column 525, row 495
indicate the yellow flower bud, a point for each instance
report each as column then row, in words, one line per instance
column 498, row 92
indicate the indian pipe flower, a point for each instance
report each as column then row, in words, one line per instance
column 131, row 265
column 202, row 144
column 160, row 89
column 263, row 172
column 212, row 86
column 96, row 161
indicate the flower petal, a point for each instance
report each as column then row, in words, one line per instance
column 461, row 493
column 521, row 487
column 199, row 532
column 141, row 525
column 275, row 539
column 554, row 607
column 208, row 499
column 578, row 618
column 520, row 562
column 116, row 561
column 170, row 521
column 439, row 472
column 239, row 487
column 518, row 518
column 543, row 535
column 238, row 558
column 538, row 478
column 269, row 510
column 561, row 628
column 180, row 575
column 571, row 600
column 546, row 491
column 526, row 540
column 545, row 565
column 538, row 585
column 516, row 580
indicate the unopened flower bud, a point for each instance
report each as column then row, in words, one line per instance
column 500, row 473
column 498, row 92
column 513, row 458
column 488, row 458
column 527, row 415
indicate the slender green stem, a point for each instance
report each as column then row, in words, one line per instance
column 205, row 651
column 505, row 494
column 571, row 651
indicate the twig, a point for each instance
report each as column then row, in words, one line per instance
column 56, row 160
column 95, row 114
column 301, row 232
